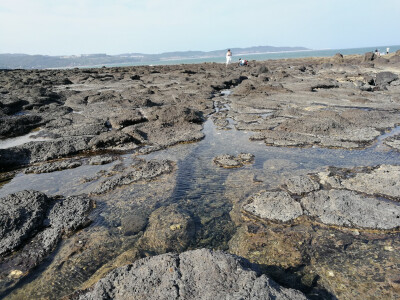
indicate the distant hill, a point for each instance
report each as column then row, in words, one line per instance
column 25, row 61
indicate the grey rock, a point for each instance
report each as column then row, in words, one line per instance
column 101, row 160
column 110, row 139
column 230, row 161
column 126, row 118
column 144, row 170
column 133, row 223
column 393, row 142
column 301, row 185
column 350, row 209
column 383, row 181
column 54, row 166
column 274, row 206
column 384, row 78
column 21, row 214
column 198, row 274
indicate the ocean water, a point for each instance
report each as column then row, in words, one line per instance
column 269, row 56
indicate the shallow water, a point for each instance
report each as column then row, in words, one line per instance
column 198, row 185
column 23, row 139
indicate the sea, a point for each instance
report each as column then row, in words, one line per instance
column 267, row 56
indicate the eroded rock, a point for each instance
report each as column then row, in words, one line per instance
column 198, row 274
column 230, row 161
column 278, row 206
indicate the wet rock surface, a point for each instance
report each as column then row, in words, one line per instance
column 31, row 225
column 198, row 274
column 140, row 170
column 230, row 161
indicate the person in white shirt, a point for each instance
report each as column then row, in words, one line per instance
column 228, row 56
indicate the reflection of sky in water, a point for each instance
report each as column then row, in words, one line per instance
column 20, row 140
column 198, row 157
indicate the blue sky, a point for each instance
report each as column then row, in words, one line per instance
column 58, row 27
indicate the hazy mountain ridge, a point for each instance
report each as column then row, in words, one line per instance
column 25, row 61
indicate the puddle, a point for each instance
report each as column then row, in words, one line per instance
column 198, row 185
column 23, row 139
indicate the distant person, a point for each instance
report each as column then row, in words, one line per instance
column 387, row 50
column 242, row 62
column 228, row 57
column 377, row 53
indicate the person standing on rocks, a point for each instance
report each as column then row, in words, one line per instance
column 228, row 57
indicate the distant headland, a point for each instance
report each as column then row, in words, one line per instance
column 25, row 61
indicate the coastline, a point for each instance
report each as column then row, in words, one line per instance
column 291, row 165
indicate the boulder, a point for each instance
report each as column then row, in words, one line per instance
column 384, row 78
column 350, row 209
column 369, row 56
column 198, row 274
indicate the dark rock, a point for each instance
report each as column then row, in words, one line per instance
column 21, row 215
column 369, row 56
column 18, row 125
column 133, row 223
column 135, row 77
column 384, row 78
column 33, row 224
column 198, row 274
column 337, row 58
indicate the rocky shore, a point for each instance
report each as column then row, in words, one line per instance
column 273, row 180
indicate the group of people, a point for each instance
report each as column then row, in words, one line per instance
column 242, row 62
column 377, row 53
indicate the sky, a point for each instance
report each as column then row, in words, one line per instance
column 68, row 27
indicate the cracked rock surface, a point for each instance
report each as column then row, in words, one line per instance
column 198, row 274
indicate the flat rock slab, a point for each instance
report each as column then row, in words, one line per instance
column 143, row 170
column 54, row 166
column 229, row 161
column 348, row 208
column 198, row 274
column 301, row 184
column 278, row 206
column 381, row 181
column 393, row 142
